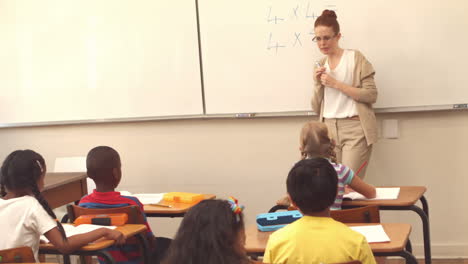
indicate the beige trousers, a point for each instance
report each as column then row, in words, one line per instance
column 351, row 144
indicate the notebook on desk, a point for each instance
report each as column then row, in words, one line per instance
column 382, row 194
column 71, row 230
column 145, row 198
column 373, row 233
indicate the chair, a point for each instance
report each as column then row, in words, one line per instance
column 365, row 214
column 134, row 214
column 17, row 255
column 134, row 217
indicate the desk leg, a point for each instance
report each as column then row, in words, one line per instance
column 409, row 248
column 424, row 204
column 426, row 234
column 146, row 249
column 425, row 222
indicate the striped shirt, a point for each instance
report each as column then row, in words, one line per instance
column 345, row 176
column 130, row 252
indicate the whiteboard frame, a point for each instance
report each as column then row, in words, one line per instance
column 452, row 107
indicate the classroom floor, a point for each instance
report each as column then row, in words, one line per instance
column 54, row 258
column 434, row 261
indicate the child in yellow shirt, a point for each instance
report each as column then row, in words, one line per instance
column 316, row 237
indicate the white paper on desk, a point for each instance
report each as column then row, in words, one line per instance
column 145, row 198
column 382, row 194
column 149, row 198
column 373, row 233
column 71, row 230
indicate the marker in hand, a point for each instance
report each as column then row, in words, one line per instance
column 318, row 72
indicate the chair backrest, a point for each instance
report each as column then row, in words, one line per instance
column 350, row 262
column 365, row 214
column 17, row 255
column 278, row 207
column 134, row 214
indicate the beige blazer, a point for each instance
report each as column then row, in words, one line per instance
column 363, row 79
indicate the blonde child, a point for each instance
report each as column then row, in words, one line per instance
column 315, row 142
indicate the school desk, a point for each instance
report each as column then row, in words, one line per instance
column 61, row 188
column 175, row 210
column 407, row 199
column 256, row 241
column 99, row 248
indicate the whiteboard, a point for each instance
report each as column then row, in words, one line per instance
column 98, row 59
column 258, row 55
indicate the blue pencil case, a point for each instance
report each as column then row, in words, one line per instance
column 274, row 221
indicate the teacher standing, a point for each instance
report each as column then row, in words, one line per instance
column 343, row 95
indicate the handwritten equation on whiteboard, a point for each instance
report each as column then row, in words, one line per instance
column 293, row 26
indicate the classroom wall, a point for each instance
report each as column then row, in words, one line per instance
column 250, row 160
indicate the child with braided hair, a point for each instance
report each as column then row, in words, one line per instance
column 211, row 232
column 24, row 213
column 315, row 142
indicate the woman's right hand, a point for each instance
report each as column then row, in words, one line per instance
column 318, row 72
column 115, row 235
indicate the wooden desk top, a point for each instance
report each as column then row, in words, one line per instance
column 408, row 196
column 177, row 208
column 57, row 179
column 256, row 241
column 128, row 230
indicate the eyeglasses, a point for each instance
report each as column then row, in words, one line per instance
column 324, row 38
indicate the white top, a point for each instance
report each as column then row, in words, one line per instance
column 22, row 221
column 336, row 103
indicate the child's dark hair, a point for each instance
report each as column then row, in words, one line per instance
column 20, row 171
column 312, row 185
column 210, row 233
column 100, row 161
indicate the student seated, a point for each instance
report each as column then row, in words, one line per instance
column 315, row 142
column 212, row 232
column 316, row 237
column 104, row 167
column 24, row 213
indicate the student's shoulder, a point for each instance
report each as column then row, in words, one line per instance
column 27, row 204
column 341, row 168
column 131, row 198
column 286, row 232
column 28, row 201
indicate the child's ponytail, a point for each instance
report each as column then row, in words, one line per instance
column 37, row 194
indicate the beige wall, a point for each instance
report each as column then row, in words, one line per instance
column 250, row 159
